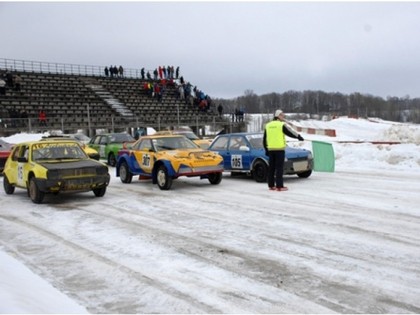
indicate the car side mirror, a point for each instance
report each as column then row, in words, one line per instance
column 243, row 148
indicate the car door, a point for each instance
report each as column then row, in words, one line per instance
column 220, row 145
column 20, row 166
column 102, row 146
column 239, row 152
column 145, row 156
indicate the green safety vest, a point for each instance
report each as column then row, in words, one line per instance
column 276, row 140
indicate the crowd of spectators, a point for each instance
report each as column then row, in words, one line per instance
column 8, row 80
column 114, row 71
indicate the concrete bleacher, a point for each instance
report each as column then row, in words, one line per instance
column 90, row 102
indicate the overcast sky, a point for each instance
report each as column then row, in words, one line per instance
column 225, row 48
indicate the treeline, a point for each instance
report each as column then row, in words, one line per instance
column 332, row 104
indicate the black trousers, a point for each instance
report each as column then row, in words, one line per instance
column 275, row 168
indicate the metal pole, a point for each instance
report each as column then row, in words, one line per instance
column 177, row 109
column 88, row 117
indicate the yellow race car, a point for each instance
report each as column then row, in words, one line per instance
column 53, row 166
column 166, row 157
column 202, row 143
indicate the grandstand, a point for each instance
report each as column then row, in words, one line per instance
column 80, row 97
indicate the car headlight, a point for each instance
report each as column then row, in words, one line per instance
column 53, row 174
column 101, row 170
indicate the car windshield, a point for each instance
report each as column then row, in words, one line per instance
column 173, row 143
column 256, row 140
column 189, row 134
column 121, row 138
column 81, row 137
column 57, row 151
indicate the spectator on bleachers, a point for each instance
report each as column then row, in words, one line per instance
column 18, row 82
column 42, row 118
column 157, row 92
column 177, row 73
column 2, row 87
column 106, row 71
column 111, row 71
column 149, row 77
column 181, row 92
column 181, row 80
column 9, row 79
column 142, row 73
column 160, row 72
column 220, row 109
column 121, row 71
column 150, row 88
column 14, row 115
column 164, row 72
column 155, row 74
column 23, row 117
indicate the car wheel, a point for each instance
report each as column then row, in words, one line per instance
column 259, row 172
column 164, row 181
column 305, row 174
column 125, row 174
column 99, row 192
column 34, row 193
column 8, row 188
column 111, row 159
column 215, row 178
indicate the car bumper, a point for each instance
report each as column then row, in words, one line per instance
column 297, row 166
column 73, row 184
column 188, row 171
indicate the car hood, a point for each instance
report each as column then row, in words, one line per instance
column 60, row 165
column 296, row 153
column 185, row 154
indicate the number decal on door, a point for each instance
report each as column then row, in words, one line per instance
column 145, row 160
column 236, row 161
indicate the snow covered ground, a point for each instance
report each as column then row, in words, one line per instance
column 345, row 242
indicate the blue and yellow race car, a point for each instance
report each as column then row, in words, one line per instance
column 244, row 153
column 164, row 158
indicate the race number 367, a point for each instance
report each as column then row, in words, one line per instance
column 236, row 161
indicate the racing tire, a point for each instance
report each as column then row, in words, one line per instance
column 125, row 175
column 8, row 188
column 215, row 178
column 99, row 192
column 305, row 174
column 164, row 181
column 112, row 161
column 34, row 193
column 260, row 172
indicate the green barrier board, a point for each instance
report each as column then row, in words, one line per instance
column 324, row 159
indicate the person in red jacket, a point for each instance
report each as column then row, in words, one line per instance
column 42, row 117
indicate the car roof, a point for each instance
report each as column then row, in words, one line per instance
column 157, row 136
column 46, row 140
column 241, row 133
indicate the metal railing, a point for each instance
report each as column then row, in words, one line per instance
column 63, row 68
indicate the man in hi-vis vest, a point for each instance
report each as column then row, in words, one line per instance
column 275, row 145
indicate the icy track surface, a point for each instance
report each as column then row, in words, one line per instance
column 345, row 242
